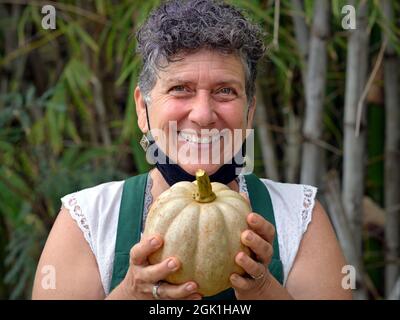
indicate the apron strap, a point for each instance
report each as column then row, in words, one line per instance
column 261, row 203
column 130, row 226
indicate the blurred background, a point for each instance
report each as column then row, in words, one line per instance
column 328, row 115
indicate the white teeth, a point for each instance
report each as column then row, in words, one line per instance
column 195, row 139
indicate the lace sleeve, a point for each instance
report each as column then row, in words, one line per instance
column 308, row 204
column 71, row 203
column 148, row 200
column 242, row 184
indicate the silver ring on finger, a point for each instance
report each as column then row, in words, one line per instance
column 155, row 290
column 258, row 277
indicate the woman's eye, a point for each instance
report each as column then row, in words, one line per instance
column 226, row 91
column 178, row 89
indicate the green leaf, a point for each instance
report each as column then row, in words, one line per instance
column 129, row 70
column 85, row 37
column 54, row 132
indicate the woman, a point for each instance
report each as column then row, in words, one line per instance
column 199, row 70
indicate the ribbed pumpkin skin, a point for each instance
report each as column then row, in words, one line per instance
column 204, row 236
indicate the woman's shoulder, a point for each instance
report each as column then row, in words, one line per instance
column 284, row 187
column 293, row 200
column 93, row 206
column 93, row 199
column 98, row 191
column 97, row 197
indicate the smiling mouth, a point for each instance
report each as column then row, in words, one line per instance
column 193, row 138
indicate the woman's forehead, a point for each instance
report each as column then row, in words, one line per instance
column 204, row 65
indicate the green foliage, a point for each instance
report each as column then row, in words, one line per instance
column 35, row 173
column 53, row 140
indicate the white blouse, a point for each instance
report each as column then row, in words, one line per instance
column 96, row 212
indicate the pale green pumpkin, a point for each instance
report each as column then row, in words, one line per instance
column 201, row 224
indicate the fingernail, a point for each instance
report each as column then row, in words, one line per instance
column 171, row 264
column 190, row 287
column 234, row 277
column 154, row 242
column 249, row 236
column 253, row 219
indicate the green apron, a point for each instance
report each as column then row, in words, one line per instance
column 130, row 226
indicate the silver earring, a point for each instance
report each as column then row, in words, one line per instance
column 145, row 142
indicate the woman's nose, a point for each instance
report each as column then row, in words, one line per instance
column 202, row 112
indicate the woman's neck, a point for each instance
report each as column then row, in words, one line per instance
column 160, row 185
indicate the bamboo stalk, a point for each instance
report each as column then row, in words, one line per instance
column 277, row 10
column 293, row 146
column 395, row 293
column 341, row 225
column 315, row 93
column 266, row 141
column 301, row 34
column 101, row 111
column 339, row 218
column 392, row 158
column 368, row 86
column 294, row 138
column 354, row 155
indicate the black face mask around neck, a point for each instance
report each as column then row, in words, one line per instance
column 173, row 173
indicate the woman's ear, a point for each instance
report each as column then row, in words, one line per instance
column 141, row 110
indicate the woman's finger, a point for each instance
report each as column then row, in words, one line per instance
column 253, row 268
column 141, row 250
column 240, row 283
column 157, row 272
column 261, row 226
column 258, row 245
column 186, row 291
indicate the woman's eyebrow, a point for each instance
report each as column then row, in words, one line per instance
column 228, row 81
column 234, row 82
column 173, row 80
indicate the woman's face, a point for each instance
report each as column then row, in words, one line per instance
column 199, row 110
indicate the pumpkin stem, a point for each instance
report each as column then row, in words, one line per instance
column 204, row 191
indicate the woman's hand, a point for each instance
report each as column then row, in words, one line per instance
column 142, row 277
column 259, row 238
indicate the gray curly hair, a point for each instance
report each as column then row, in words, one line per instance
column 184, row 26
